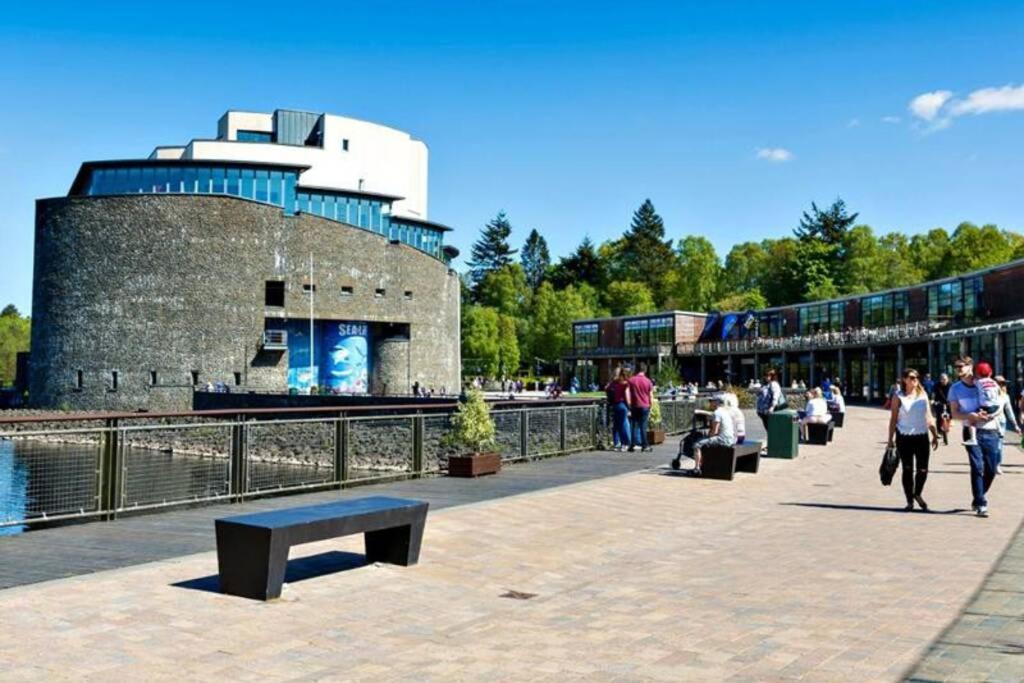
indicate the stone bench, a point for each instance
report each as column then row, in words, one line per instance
column 722, row 462
column 837, row 419
column 819, row 433
column 252, row 549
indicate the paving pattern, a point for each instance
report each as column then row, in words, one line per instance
column 808, row 570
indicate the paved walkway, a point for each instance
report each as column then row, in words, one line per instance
column 807, row 570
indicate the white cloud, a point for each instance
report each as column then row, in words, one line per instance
column 985, row 100
column 891, row 119
column 939, row 108
column 774, row 154
column 853, row 123
column 927, row 105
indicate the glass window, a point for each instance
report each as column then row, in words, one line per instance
column 586, row 335
column 635, row 333
column 254, row 136
column 248, row 183
column 134, row 180
column 262, row 186
column 218, row 180
column 276, row 187
column 205, row 181
column 189, row 181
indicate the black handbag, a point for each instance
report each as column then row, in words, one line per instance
column 888, row 467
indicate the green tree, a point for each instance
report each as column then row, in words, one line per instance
column 480, row 349
column 695, row 280
column 974, row 248
column 931, row 251
column 745, row 267
column 15, row 336
column 782, row 282
column 492, row 250
column 829, row 225
column 629, row 298
column 508, row 346
column 536, row 259
column 742, row 301
column 554, row 312
column 645, row 255
column 504, row 289
column 583, row 265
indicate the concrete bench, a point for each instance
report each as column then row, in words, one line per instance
column 837, row 419
column 819, row 433
column 252, row 549
column 722, row 462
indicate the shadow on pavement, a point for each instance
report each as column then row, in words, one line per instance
column 299, row 569
column 871, row 508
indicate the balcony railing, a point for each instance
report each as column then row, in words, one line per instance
column 660, row 349
column 819, row 340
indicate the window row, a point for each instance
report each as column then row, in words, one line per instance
column 884, row 309
column 274, row 292
column 153, row 379
column 959, row 300
column 648, row 332
column 586, row 336
column 261, row 185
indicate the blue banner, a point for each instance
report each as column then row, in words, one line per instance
column 709, row 326
column 729, row 322
column 340, row 353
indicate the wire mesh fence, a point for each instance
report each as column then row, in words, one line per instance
column 289, row 454
column 380, row 447
column 544, row 434
column 193, row 465
column 508, row 433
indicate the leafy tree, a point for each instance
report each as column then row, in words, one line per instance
column 492, row 250
column 583, row 265
column 646, row 256
column 10, row 310
column 931, row 251
column 15, row 335
column 592, row 300
column 782, row 282
column 504, row 289
column 696, row 278
column 829, row 225
column 742, row 301
column 629, row 298
column 553, row 316
column 745, row 267
column 973, row 248
column 535, row 258
column 508, row 346
column 480, row 348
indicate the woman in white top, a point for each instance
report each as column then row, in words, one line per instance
column 816, row 411
column 1006, row 417
column 910, row 422
column 732, row 402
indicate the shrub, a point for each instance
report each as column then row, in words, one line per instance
column 472, row 425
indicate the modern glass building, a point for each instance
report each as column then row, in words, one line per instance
column 866, row 340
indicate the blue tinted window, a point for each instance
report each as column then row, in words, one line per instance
column 262, row 181
column 254, row 136
column 234, row 177
column 248, row 179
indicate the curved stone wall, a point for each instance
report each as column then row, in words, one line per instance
column 171, row 288
column 391, row 367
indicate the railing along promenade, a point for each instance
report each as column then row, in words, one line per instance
column 70, row 467
column 907, row 332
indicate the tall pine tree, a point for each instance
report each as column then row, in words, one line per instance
column 646, row 256
column 492, row 250
column 536, row 259
column 583, row 265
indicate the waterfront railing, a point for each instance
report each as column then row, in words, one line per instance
column 54, row 469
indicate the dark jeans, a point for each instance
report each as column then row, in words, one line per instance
column 640, row 416
column 983, row 459
column 938, row 410
column 764, row 421
column 913, row 447
column 620, row 428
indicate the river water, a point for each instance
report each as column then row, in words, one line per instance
column 61, row 479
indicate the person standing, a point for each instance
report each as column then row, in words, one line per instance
column 1006, row 419
column 928, row 384
column 910, row 422
column 980, row 433
column 619, row 396
column 940, row 406
column 640, row 389
column 769, row 399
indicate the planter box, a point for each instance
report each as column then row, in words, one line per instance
column 655, row 436
column 473, row 465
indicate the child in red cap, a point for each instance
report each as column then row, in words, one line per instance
column 989, row 394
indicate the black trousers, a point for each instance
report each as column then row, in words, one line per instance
column 911, row 448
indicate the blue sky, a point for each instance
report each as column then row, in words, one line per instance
column 731, row 116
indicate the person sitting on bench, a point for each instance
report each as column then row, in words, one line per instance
column 722, row 433
column 816, row 412
column 732, row 402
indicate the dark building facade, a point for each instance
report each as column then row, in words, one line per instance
column 153, row 277
column 866, row 340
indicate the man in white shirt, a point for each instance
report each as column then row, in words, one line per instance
column 980, row 433
column 722, row 432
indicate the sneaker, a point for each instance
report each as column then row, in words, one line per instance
column 983, row 511
column 649, row 449
column 999, row 469
column 624, row 449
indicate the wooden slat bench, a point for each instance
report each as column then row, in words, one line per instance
column 252, row 549
column 722, row 462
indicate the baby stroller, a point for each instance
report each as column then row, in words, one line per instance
column 699, row 429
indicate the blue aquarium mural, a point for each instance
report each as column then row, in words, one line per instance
column 341, row 356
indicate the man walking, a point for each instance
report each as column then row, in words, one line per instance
column 980, row 433
column 640, row 389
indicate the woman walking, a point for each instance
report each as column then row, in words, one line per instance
column 910, row 422
column 619, row 396
column 1006, row 419
column 940, row 406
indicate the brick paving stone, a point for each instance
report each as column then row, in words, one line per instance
column 806, row 571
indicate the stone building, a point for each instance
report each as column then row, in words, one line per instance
column 292, row 252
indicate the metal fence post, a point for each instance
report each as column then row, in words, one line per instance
column 563, row 428
column 339, row 449
column 110, row 470
column 524, row 433
column 345, row 441
column 417, row 443
column 239, row 476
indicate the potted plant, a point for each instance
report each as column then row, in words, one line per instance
column 473, row 430
column 655, row 432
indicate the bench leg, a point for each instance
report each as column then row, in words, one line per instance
column 251, row 562
column 748, row 463
column 398, row 545
column 718, row 464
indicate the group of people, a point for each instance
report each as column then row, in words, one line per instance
column 977, row 400
column 629, row 400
